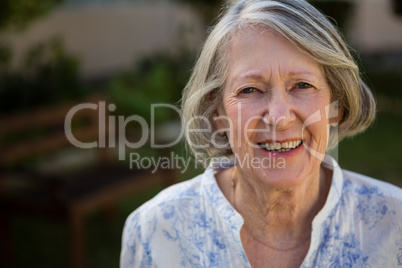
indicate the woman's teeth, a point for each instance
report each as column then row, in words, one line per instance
column 281, row 146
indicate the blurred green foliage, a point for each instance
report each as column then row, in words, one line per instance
column 385, row 82
column 157, row 79
column 48, row 75
column 18, row 13
column 368, row 154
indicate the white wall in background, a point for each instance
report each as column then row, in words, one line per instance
column 110, row 38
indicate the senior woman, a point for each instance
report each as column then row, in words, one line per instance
column 274, row 87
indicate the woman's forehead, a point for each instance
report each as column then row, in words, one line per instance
column 253, row 52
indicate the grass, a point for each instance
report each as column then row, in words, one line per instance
column 377, row 152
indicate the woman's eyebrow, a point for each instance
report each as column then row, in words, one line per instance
column 247, row 76
column 303, row 72
column 259, row 77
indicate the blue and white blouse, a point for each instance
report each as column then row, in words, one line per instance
column 192, row 224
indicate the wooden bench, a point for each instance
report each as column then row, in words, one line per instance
column 67, row 194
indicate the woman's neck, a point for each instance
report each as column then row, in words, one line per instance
column 278, row 218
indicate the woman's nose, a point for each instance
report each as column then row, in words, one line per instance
column 278, row 112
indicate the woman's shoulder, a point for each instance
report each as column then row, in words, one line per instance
column 185, row 193
column 155, row 221
column 362, row 227
column 376, row 203
column 362, row 185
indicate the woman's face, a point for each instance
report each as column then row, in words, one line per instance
column 275, row 100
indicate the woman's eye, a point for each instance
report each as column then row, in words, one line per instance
column 303, row 85
column 248, row 90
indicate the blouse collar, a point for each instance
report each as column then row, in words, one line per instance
column 235, row 220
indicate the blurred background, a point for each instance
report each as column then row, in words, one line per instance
column 133, row 53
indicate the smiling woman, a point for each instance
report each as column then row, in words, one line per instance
column 277, row 103
column 274, row 82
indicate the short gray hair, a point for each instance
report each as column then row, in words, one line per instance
column 307, row 29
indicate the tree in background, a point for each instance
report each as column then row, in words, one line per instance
column 48, row 74
column 16, row 14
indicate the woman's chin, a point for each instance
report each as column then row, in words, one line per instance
column 286, row 172
column 286, row 169
column 282, row 179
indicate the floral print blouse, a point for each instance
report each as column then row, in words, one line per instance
column 191, row 224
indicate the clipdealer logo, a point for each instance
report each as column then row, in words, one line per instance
column 112, row 131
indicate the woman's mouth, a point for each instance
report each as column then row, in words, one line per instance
column 279, row 147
